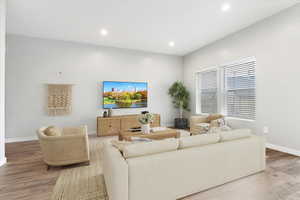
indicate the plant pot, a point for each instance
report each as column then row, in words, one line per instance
column 181, row 123
column 146, row 128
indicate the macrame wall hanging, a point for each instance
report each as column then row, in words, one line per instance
column 59, row 99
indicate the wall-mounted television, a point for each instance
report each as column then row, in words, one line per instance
column 125, row 94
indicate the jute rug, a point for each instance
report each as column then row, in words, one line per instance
column 83, row 182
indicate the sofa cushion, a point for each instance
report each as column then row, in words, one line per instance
column 198, row 140
column 52, row 131
column 148, row 148
column 235, row 134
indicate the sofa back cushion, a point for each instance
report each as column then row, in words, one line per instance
column 148, row 148
column 213, row 117
column 235, row 134
column 198, row 140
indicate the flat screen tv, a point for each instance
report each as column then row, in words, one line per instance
column 125, row 94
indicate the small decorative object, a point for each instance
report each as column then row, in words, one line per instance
column 59, row 99
column 105, row 114
column 146, row 129
column 144, row 112
column 109, row 112
column 146, row 120
column 181, row 97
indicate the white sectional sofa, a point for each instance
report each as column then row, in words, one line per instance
column 188, row 165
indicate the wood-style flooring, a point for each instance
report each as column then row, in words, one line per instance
column 25, row 177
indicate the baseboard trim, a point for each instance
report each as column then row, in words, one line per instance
column 283, row 149
column 2, row 161
column 20, row 139
column 168, row 125
column 32, row 138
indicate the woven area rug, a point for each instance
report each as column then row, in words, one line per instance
column 83, row 182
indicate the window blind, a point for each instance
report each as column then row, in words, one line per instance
column 239, row 88
column 209, row 92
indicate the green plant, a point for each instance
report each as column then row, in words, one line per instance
column 146, row 118
column 180, row 96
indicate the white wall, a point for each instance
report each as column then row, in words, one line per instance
column 275, row 42
column 32, row 62
column 2, row 82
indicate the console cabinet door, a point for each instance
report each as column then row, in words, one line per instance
column 129, row 122
column 108, row 127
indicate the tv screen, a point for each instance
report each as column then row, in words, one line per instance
column 124, row 94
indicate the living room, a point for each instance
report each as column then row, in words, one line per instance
column 227, row 84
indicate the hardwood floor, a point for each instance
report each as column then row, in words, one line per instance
column 280, row 181
column 25, row 177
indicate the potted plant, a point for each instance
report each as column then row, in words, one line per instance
column 180, row 96
column 146, row 119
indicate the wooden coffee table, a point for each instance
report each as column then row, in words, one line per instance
column 158, row 135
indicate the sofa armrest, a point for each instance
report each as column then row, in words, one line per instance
column 115, row 170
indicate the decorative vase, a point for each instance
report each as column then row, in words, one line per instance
column 109, row 113
column 146, row 128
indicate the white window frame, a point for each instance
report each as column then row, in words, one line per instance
column 221, row 88
column 198, row 89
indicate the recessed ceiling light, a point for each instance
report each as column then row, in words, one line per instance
column 225, row 7
column 103, row 32
column 171, row 44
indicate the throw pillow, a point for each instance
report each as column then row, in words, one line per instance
column 52, row 131
column 218, row 122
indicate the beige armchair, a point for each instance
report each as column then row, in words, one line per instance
column 68, row 148
column 195, row 122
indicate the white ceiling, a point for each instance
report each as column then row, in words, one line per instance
column 147, row 25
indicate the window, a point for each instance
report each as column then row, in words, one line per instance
column 239, row 88
column 209, row 91
column 229, row 89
